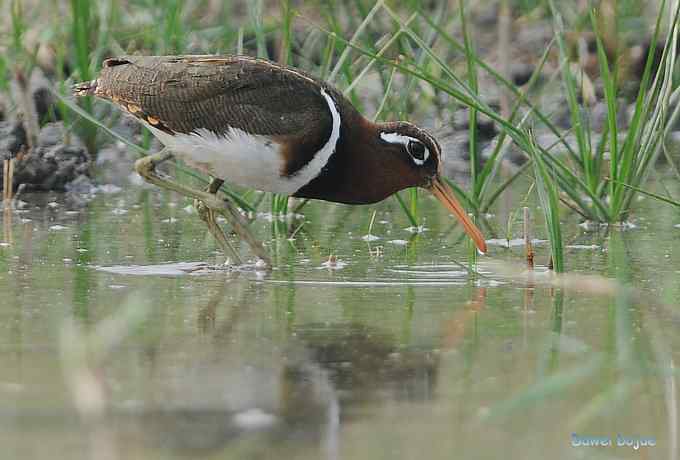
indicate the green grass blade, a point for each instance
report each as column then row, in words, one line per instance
column 572, row 100
column 609, row 82
column 348, row 45
column 501, row 188
column 504, row 81
column 656, row 196
column 492, row 165
column 255, row 10
column 395, row 37
column 470, row 60
column 407, row 211
column 70, row 103
column 632, row 140
column 517, row 135
column 547, row 192
column 286, row 31
column 388, row 89
column 655, row 126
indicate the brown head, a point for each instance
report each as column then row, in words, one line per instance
column 376, row 160
column 422, row 153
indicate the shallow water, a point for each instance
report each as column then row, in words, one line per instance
column 122, row 337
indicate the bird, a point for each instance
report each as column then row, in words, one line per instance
column 271, row 127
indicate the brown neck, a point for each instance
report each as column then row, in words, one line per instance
column 361, row 170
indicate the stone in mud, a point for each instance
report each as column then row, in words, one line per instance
column 455, row 156
column 521, row 72
column 599, row 116
column 45, row 102
column 51, row 165
column 115, row 163
column 81, row 185
column 486, row 128
column 12, row 139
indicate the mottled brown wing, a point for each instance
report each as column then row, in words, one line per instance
column 182, row 94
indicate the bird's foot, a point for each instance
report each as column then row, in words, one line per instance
column 207, row 215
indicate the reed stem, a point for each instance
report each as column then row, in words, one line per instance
column 30, row 118
column 7, row 182
column 527, row 239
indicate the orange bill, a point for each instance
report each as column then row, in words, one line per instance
column 445, row 195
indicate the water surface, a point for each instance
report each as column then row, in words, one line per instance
column 121, row 337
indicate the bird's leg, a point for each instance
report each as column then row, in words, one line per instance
column 146, row 167
column 207, row 215
column 240, row 226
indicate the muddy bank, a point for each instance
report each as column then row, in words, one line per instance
column 48, row 157
column 51, row 164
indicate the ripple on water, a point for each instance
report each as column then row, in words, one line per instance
column 398, row 275
column 172, row 269
column 513, row 243
column 439, row 274
column 402, row 275
column 182, row 269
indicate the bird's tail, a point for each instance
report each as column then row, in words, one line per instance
column 86, row 88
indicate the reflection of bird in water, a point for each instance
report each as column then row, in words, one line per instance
column 235, row 386
column 366, row 364
column 244, row 390
column 279, row 400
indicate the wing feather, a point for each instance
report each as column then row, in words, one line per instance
column 184, row 94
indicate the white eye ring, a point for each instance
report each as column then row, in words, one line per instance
column 394, row 138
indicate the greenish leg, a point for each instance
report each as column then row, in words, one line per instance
column 209, row 204
column 207, row 215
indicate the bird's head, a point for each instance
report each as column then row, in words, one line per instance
column 420, row 157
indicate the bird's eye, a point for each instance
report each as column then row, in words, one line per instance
column 417, row 150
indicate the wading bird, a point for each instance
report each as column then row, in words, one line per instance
column 269, row 127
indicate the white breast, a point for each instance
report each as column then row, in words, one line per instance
column 248, row 160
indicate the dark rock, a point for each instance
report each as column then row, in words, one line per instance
column 81, row 185
column 487, row 17
column 455, row 146
column 45, row 102
column 486, row 128
column 53, row 134
column 51, row 165
column 512, row 155
column 599, row 112
column 521, row 73
column 531, row 37
column 51, row 168
column 12, row 139
column 598, row 116
column 639, row 63
column 114, row 163
column 455, row 153
column 561, row 115
column 45, row 105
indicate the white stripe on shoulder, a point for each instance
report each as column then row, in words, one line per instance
column 313, row 168
column 249, row 160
